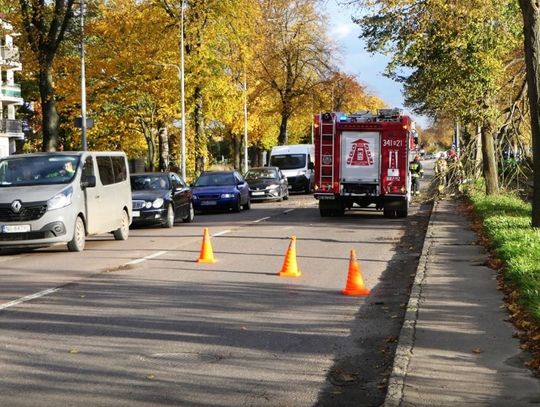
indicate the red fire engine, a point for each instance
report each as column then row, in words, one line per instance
column 363, row 159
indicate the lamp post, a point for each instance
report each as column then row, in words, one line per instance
column 245, row 125
column 182, row 99
column 83, row 85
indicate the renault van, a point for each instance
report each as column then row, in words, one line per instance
column 295, row 162
column 63, row 197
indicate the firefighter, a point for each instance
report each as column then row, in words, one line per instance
column 441, row 167
column 417, row 172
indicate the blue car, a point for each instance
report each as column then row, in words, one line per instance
column 220, row 190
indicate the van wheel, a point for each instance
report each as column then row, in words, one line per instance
column 191, row 214
column 169, row 220
column 122, row 232
column 79, row 237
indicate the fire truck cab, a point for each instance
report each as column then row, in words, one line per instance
column 363, row 159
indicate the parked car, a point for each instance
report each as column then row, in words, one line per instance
column 160, row 198
column 220, row 190
column 267, row 183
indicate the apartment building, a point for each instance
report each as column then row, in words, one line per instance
column 10, row 92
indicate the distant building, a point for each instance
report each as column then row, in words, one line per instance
column 10, row 92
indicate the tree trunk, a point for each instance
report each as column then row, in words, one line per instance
column 531, row 31
column 163, row 137
column 200, row 135
column 236, row 146
column 282, row 138
column 50, row 115
column 489, row 164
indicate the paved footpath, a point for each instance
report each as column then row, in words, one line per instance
column 455, row 347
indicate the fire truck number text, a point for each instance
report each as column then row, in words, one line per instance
column 392, row 143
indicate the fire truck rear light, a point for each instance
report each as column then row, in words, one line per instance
column 316, row 187
column 403, row 190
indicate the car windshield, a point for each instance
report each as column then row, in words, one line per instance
column 149, row 182
column 215, row 180
column 37, row 170
column 288, row 161
column 259, row 173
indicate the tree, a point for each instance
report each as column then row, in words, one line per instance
column 531, row 30
column 45, row 24
column 296, row 54
column 454, row 53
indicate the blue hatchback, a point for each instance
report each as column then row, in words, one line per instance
column 220, row 190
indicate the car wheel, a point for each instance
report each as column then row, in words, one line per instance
column 79, row 237
column 122, row 232
column 236, row 206
column 247, row 205
column 169, row 220
column 191, row 214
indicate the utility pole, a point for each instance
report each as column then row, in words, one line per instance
column 84, row 146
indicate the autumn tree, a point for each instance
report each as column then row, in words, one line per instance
column 45, row 24
column 531, row 29
column 296, row 55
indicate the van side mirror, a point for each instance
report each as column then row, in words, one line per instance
column 311, row 166
column 90, row 182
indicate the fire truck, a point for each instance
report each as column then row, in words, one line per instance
column 363, row 159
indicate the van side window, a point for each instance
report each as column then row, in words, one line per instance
column 105, row 169
column 88, row 168
column 119, row 167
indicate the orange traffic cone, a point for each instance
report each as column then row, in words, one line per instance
column 355, row 281
column 290, row 268
column 207, row 254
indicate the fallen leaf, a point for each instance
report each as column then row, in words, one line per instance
column 150, row 377
column 74, row 351
column 477, row 350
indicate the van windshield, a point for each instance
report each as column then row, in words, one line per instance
column 37, row 170
column 288, row 161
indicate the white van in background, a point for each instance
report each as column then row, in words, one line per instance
column 60, row 198
column 295, row 162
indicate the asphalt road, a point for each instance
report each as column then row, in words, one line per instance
column 140, row 323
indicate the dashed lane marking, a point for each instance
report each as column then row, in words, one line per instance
column 220, row 233
column 260, row 220
column 28, row 298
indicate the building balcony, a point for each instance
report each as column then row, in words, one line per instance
column 10, row 91
column 11, row 128
column 9, row 57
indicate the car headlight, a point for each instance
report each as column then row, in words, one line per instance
column 227, row 195
column 61, row 199
column 158, row 203
column 273, row 186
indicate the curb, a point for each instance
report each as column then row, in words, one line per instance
column 404, row 350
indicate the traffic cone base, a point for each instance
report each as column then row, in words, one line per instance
column 290, row 268
column 207, row 254
column 355, row 281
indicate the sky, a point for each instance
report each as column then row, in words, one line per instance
column 367, row 68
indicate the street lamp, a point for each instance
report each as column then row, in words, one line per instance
column 83, row 85
column 183, row 137
column 182, row 159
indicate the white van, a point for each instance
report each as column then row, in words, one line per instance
column 295, row 162
column 60, row 198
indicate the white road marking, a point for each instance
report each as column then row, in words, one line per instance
column 220, row 233
column 260, row 220
column 150, row 256
column 28, row 298
column 288, row 210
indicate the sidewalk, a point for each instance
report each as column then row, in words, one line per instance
column 455, row 348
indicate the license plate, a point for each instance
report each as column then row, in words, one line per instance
column 326, row 197
column 208, row 203
column 136, row 214
column 15, row 228
column 257, row 193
